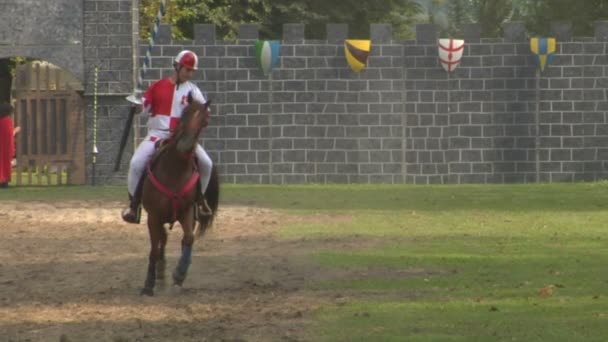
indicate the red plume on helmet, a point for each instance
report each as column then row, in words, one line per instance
column 187, row 58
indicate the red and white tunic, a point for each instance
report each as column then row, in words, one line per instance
column 164, row 103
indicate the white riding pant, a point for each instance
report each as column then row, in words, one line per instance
column 144, row 152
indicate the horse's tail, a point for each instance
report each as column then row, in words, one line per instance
column 212, row 194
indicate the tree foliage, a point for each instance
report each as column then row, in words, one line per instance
column 489, row 14
column 450, row 15
column 538, row 15
column 270, row 15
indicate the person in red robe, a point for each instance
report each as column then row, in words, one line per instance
column 7, row 144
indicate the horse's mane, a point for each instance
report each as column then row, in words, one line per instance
column 191, row 108
column 172, row 139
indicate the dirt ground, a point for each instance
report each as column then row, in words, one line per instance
column 73, row 271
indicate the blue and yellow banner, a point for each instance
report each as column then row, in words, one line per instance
column 543, row 49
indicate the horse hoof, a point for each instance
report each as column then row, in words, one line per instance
column 178, row 279
column 176, row 290
column 147, row 292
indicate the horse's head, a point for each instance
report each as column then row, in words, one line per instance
column 194, row 118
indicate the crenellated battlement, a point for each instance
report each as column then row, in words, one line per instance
column 402, row 118
column 381, row 33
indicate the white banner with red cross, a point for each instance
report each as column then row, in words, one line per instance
column 450, row 53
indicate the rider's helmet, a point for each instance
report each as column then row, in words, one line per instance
column 187, row 59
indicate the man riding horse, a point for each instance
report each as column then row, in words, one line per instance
column 164, row 102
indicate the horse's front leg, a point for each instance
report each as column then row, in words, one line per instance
column 187, row 223
column 154, row 230
column 161, row 262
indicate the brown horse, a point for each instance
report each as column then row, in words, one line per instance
column 169, row 194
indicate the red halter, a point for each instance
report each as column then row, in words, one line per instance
column 174, row 196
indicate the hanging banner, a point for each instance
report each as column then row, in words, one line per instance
column 356, row 52
column 450, row 53
column 543, row 49
column 267, row 54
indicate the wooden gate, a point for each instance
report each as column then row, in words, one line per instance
column 49, row 110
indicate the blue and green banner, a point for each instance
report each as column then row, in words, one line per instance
column 267, row 54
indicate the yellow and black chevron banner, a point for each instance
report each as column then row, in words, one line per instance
column 356, row 52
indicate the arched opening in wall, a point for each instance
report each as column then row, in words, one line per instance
column 7, row 66
column 49, row 111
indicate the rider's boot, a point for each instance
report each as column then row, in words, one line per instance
column 203, row 207
column 132, row 214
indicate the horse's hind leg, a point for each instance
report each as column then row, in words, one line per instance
column 161, row 262
column 154, row 230
column 179, row 274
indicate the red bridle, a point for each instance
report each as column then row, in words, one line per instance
column 175, row 197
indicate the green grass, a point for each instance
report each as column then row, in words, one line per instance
column 431, row 197
column 571, row 319
column 454, row 263
column 375, row 198
column 485, row 252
